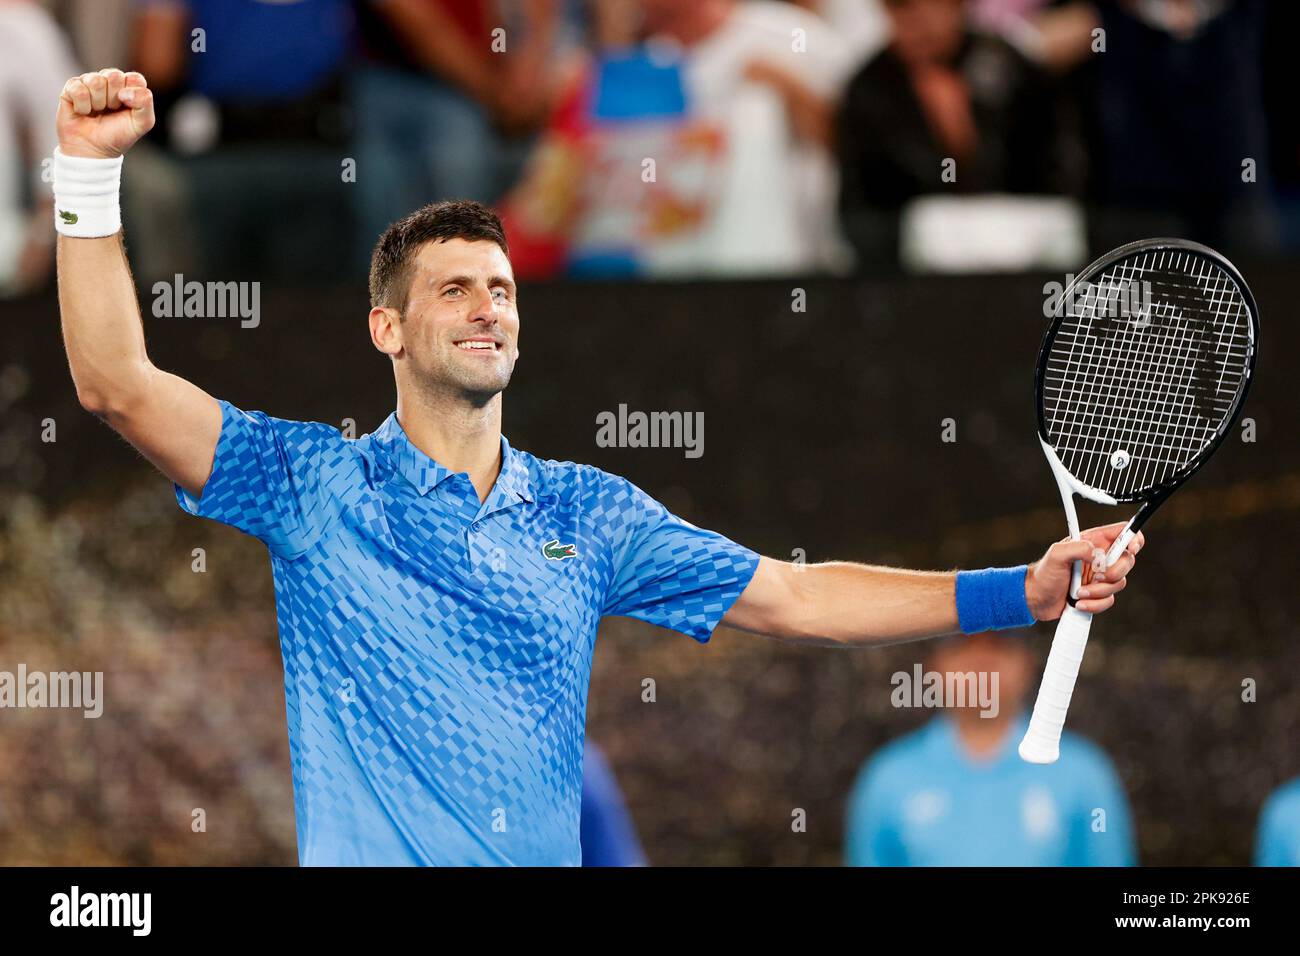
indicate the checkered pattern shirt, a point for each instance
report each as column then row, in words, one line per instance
column 437, row 649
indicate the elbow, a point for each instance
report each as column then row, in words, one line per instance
column 797, row 622
column 787, row 603
column 110, row 403
column 93, row 400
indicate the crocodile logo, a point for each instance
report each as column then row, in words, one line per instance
column 554, row 551
column 70, row 218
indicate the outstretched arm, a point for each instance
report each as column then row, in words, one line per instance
column 173, row 423
column 848, row 605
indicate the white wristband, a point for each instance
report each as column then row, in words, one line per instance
column 86, row 196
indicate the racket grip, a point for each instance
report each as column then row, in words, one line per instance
column 1042, row 743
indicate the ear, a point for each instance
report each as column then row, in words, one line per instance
column 386, row 330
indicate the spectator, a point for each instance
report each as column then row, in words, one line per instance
column 250, row 101
column 1179, row 135
column 704, row 150
column 1278, row 840
column 441, row 112
column 942, row 98
column 608, row 836
column 956, row 793
column 35, row 60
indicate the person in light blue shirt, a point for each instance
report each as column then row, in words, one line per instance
column 956, row 793
column 438, row 591
column 1278, row 840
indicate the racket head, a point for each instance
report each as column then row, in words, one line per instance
column 1145, row 367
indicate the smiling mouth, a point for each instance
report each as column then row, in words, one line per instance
column 485, row 346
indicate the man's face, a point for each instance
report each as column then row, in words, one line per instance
column 460, row 330
column 1003, row 654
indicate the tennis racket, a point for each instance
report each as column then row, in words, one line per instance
column 1141, row 376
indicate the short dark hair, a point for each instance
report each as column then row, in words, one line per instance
column 393, row 260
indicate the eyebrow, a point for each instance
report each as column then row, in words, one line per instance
column 469, row 280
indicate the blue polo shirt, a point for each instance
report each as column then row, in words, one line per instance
column 437, row 650
column 924, row 801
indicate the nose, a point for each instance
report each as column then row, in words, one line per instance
column 485, row 307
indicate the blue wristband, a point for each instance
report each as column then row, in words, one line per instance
column 992, row 599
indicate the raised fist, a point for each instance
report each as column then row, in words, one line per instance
column 101, row 115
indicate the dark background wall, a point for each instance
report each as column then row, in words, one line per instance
column 822, row 433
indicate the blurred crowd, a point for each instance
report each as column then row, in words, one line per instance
column 1167, row 761
column 669, row 137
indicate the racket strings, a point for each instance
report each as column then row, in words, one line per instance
column 1150, row 403
column 1144, row 369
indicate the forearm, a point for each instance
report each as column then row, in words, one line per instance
column 851, row 605
column 858, row 605
column 172, row 422
column 811, row 115
column 102, row 330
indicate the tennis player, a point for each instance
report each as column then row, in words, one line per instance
column 438, row 591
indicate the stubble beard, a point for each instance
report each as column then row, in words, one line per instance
column 451, row 386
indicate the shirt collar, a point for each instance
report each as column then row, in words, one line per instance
column 425, row 474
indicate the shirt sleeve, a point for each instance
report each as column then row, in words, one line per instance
column 269, row 479
column 665, row 570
